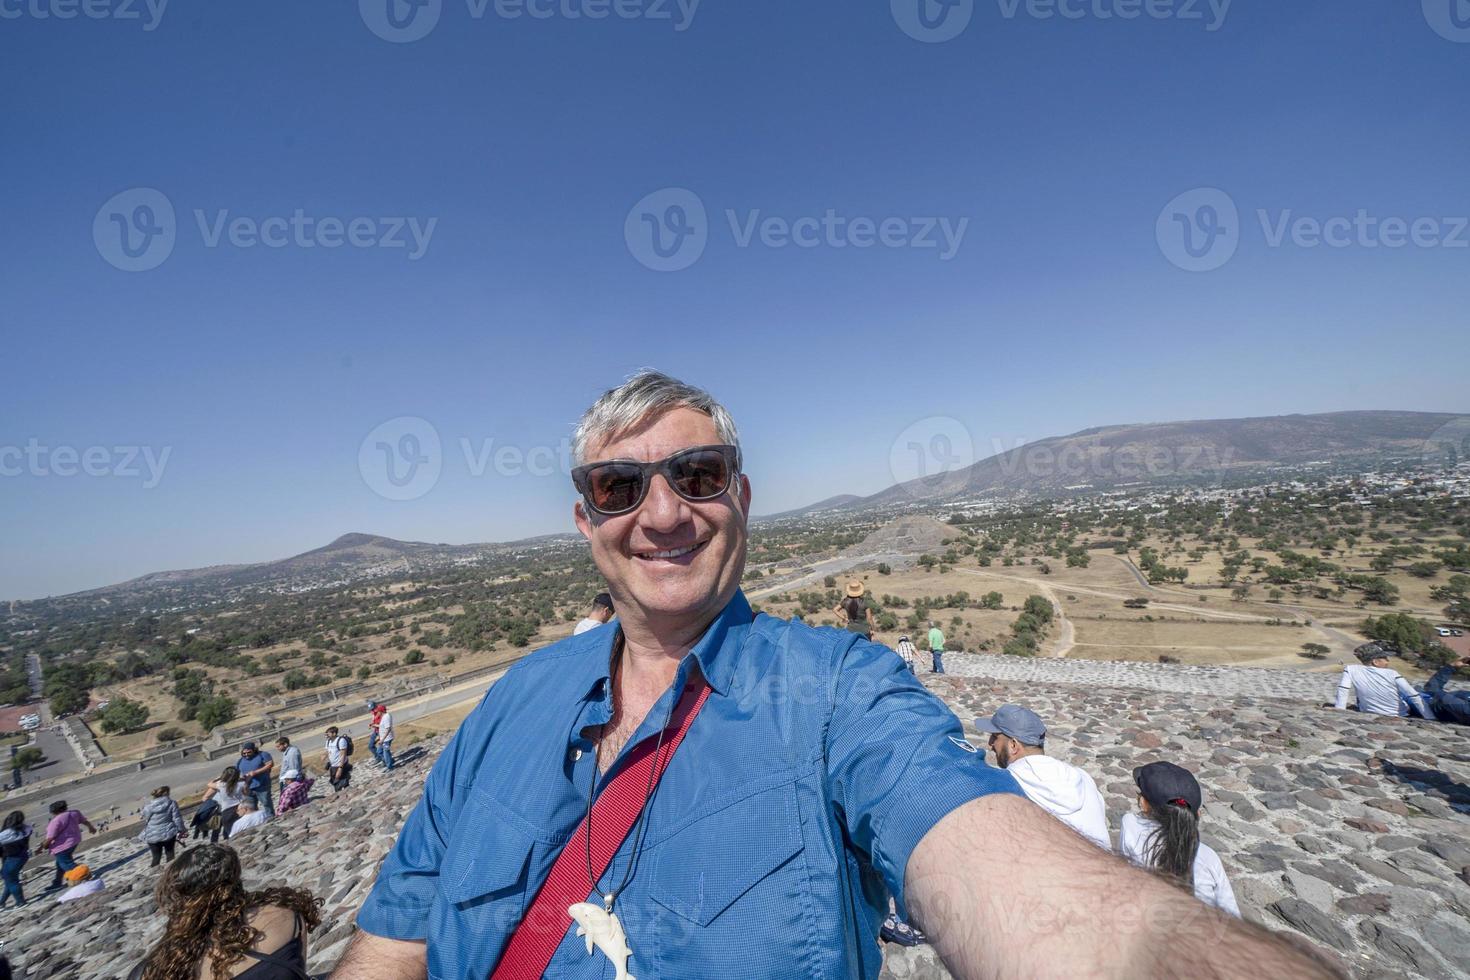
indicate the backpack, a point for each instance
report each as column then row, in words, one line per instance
column 347, row 745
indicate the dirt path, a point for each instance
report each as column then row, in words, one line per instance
column 1066, row 637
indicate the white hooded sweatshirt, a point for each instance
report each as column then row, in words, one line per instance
column 1067, row 793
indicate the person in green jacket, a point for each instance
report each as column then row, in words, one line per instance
column 936, row 646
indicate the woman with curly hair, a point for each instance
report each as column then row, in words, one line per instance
column 217, row 929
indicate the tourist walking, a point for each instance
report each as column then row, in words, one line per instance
column 292, row 768
column 15, row 851
column 255, row 768
column 376, row 711
column 600, row 614
column 855, row 614
column 385, row 738
column 227, row 791
column 1164, row 835
column 907, row 651
column 215, row 927
column 1018, row 739
column 163, row 825
column 339, row 764
column 936, row 646
column 63, row 834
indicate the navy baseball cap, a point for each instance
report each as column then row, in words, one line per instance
column 1165, row 784
column 1014, row 721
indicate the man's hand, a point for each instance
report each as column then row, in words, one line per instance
column 371, row 957
column 1003, row 889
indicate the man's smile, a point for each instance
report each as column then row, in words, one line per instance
column 677, row 556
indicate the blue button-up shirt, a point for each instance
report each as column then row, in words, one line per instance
column 780, row 827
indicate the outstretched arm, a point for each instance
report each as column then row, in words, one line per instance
column 370, row 957
column 1003, row 889
column 1343, row 686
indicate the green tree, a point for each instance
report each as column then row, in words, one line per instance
column 1315, row 651
column 68, row 701
column 29, row 757
column 414, row 656
column 216, row 711
column 122, row 715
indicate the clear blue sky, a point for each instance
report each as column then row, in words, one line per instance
column 261, row 370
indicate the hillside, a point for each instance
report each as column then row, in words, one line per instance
column 1345, row 830
column 1182, row 452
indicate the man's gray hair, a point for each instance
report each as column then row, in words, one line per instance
column 645, row 394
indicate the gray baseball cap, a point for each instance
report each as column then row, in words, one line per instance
column 1014, row 721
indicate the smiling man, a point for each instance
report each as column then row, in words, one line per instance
column 704, row 792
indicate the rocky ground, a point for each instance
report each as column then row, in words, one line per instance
column 1352, row 831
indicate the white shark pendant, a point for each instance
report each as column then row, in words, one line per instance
column 603, row 930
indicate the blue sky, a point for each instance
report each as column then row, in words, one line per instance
column 530, row 151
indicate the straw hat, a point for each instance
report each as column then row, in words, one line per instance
column 855, row 588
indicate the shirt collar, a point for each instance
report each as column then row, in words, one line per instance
column 715, row 661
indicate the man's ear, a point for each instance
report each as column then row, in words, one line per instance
column 745, row 494
column 583, row 522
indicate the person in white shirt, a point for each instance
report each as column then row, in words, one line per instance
column 1164, row 835
column 250, row 816
column 1018, row 739
column 339, row 767
column 227, row 792
column 385, row 739
column 601, row 613
column 1378, row 687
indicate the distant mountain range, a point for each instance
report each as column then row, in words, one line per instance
column 1164, row 453
column 1102, row 458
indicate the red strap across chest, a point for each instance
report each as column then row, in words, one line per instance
column 539, row 933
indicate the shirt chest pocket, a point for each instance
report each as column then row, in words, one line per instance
column 734, row 892
column 488, row 891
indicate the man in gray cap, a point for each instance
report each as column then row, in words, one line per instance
column 1018, row 739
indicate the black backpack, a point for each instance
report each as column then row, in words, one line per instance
column 347, row 749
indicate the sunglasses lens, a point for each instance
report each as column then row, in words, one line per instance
column 701, row 475
column 615, row 487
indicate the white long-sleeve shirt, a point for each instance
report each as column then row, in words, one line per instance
column 385, row 727
column 1211, row 886
column 1379, row 690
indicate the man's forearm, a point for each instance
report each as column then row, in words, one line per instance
column 1004, row 889
column 372, row 957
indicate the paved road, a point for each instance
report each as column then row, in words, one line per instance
column 188, row 779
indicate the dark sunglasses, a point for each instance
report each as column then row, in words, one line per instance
column 618, row 486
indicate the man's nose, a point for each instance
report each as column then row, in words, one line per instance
column 663, row 509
